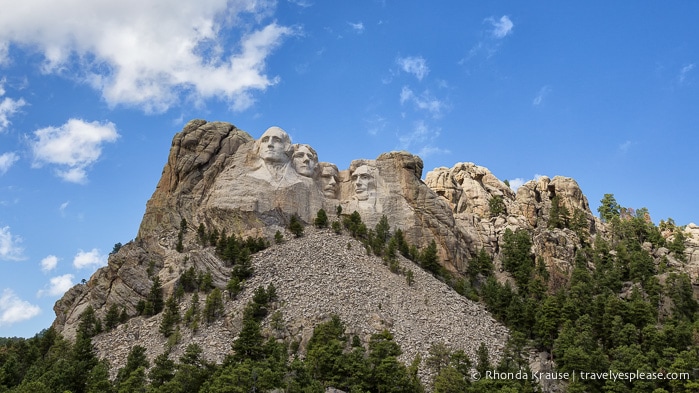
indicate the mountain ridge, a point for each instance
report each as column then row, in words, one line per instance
column 215, row 178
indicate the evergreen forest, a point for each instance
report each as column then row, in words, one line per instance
column 618, row 311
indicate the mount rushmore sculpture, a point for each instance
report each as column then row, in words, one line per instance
column 272, row 176
column 220, row 176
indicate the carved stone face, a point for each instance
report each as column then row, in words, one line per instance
column 305, row 160
column 329, row 181
column 274, row 145
column 364, row 182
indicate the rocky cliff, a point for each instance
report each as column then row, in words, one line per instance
column 218, row 176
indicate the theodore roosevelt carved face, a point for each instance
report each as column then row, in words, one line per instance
column 328, row 179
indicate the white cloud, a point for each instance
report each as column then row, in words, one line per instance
column 414, row 65
column 357, row 27
column 49, row 263
column 89, row 259
column 148, row 53
column 301, row 3
column 543, row 92
column 624, row 147
column 421, row 138
column 13, row 309
column 501, row 27
column 685, row 71
column 406, row 94
column 427, row 151
column 492, row 39
column 63, row 208
column 419, row 134
column 516, row 183
column 4, row 54
column 57, row 286
column 8, row 106
column 73, row 146
column 9, row 246
column 6, row 161
column 376, row 124
column 425, row 101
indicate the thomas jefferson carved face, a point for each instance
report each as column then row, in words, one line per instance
column 305, row 160
column 274, row 145
column 364, row 182
column 329, row 181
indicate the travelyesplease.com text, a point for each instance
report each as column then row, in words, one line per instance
column 581, row 375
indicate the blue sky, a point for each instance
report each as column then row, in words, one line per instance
column 92, row 92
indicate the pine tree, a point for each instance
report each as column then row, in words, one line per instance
column 278, row 237
column 496, row 205
column 482, row 359
column 248, row 345
column 89, row 323
column 179, row 247
column 188, row 280
column 516, row 256
column 295, row 226
column 123, row 316
column 191, row 317
column 676, row 246
column 111, row 320
column 409, row 277
column 383, row 230
column 213, row 308
column 155, row 302
column 321, row 220
column 135, row 360
column 207, row 282
column 98, row 379
column 609, row 208
column 213, row 238
column 234, row 287
column 430, row 260
column 171, row 317
column 243, row 268
column 163, row 370
column 201, row 234
column 559, row 214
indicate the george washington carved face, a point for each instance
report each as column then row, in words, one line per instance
column 274, row 146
